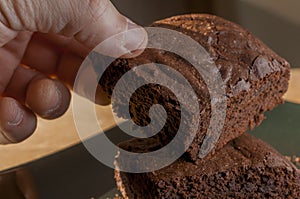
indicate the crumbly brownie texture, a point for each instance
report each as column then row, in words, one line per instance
column 256, row 79
column 245, row 168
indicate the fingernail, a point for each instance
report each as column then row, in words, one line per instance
column 136, row 38
column 11, row 117
column 54, row 102
column 16, row 115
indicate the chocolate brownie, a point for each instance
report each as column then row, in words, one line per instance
column 245, row 168
column 256, row 79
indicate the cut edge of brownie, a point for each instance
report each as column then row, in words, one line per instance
column 256, row 81
column 245, row 167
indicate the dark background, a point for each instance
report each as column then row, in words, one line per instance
column 276, row 24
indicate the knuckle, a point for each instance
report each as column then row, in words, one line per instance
column 13, row 13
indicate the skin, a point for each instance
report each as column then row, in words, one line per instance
column 42, row 45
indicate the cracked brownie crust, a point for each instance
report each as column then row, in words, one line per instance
column 245, row 168
column 256, row 79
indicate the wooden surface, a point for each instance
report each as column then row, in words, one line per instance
column 293, row 93
column 50, row 137
column 56, row 135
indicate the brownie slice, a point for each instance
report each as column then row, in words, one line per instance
column 256, row 79
column 245, row 168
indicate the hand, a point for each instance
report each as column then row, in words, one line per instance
column 42, row 45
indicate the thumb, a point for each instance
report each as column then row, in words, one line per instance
column 89, row 21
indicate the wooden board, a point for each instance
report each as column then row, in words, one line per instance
column 50, row 137
column 54, row 136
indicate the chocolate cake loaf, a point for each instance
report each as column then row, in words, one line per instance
column 245, row 168
column 255, row 77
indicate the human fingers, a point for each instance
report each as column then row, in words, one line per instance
column 49, row 98
column 64, row 64
column 89, row 22
column 10, row 56
column 17, row 122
